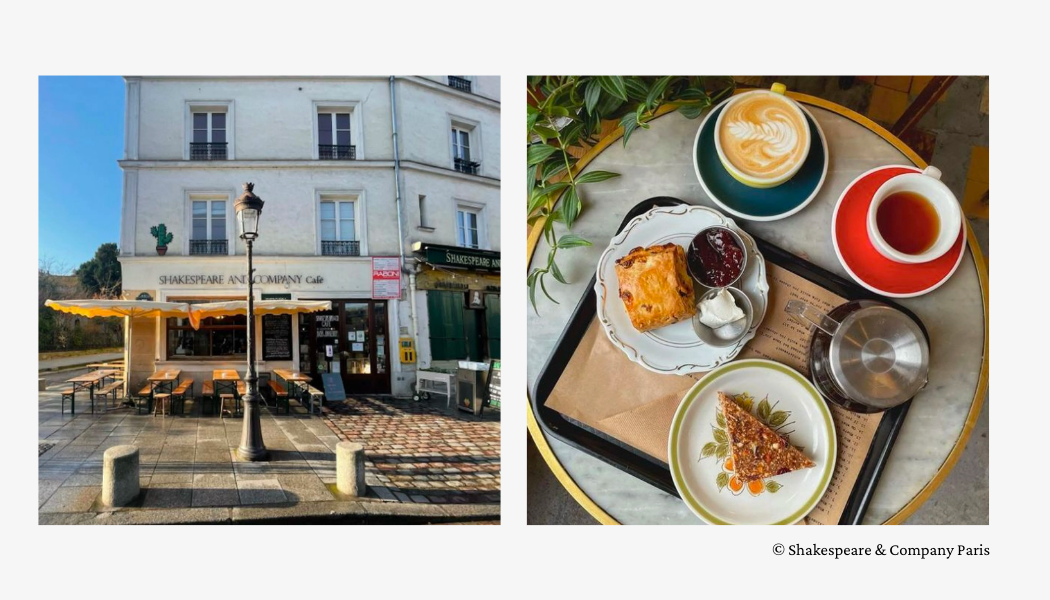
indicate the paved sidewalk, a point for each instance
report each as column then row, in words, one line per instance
column 188, row 464
column 418, row 452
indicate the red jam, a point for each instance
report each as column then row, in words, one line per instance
column 715, row 257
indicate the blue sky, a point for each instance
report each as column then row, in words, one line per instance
column 81, row 125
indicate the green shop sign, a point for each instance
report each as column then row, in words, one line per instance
column 451, row 256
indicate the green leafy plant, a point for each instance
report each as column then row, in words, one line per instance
column 161, row 233
column 567, row 112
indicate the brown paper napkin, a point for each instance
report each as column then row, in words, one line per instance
column 602, row 388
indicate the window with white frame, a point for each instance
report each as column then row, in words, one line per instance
column 338, row 228
column 208, row 227
column 468, row 226
column 209, row 135
column 462, row 160
column 333, row 135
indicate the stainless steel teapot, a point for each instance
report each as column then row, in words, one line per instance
column 865, row 356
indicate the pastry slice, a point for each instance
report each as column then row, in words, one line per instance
column 758, row 451
column 655, row 286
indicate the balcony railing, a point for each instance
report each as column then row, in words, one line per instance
column 339, row 248
column 205, row 247
column 208, row 151
column 459, row 83
column 330, row 152
column 465, row 166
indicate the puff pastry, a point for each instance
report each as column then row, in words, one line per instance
column 655, row 286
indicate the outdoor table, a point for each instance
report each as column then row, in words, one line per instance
column 225, row 379
column 164, row 380
column 88, row 381
column 292, row 379
column 659, row 162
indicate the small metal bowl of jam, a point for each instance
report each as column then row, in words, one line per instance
column 716, row 257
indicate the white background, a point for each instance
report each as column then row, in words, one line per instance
column 513, row 39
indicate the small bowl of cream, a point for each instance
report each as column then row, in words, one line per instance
column 723, row 316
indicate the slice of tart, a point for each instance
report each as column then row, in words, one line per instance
column 758, row 451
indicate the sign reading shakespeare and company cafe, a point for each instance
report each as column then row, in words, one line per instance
column 238, row 279
column 386, row 277
column 451, row 256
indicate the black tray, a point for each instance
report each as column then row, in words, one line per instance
column 656, row 472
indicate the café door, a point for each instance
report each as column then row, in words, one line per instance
column 352, row 340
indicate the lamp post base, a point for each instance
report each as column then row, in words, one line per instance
column 252, row 447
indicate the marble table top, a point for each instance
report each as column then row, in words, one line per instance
column 658, row 162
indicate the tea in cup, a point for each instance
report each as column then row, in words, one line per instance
column 914, row 218
column 762, row 137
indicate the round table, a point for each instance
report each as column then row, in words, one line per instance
column 658, row 162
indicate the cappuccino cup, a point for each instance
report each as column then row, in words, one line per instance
column 762, row 137
column 914, row 217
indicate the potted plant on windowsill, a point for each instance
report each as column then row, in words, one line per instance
column 163, row 238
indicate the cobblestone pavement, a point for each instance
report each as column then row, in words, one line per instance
column 417, row 452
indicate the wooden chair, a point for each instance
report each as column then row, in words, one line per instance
column 158, row 400
column 67, row 394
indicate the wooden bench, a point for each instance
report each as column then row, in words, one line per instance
column 67, row 394
column 159, row 399
column 146, row 394
column 179, row 395
column 281, row 393
column 110, row 388
column 207, row 394
column 315, row 393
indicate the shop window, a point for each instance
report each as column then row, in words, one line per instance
column 446, row 318
column 224, row 338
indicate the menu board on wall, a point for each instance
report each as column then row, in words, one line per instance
column 277, row 337
column 493, row 399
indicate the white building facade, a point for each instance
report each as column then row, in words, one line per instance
column 341, row 189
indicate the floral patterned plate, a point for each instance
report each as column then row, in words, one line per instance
column 699, row 453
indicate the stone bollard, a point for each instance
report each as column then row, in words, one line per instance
column 350, row 469
column 120, row 475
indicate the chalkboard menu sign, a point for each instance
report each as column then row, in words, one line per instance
column 277, row 337
column 492, row 388
column 333, row 387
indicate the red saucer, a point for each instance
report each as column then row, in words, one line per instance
column 849, row 233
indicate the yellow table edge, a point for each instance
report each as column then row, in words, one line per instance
column 982, row 382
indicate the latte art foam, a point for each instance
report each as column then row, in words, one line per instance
column 763, row 135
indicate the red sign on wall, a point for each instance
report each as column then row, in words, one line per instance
column 386, row 278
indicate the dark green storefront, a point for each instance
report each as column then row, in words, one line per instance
column 463, row 302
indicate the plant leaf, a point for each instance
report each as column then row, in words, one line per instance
column 557, row 272
column 636, row 88
column 722, row 480
column 591, row 95
column 544, row 288
column 595, row 176
column 763, row 409
column 720, row 419
column 708, row 449
column 545, row 133
column 532, row 178
column 773, row 487
column 691, row 111
column 533, row 118
column 777, row 418
column 540, row 152
column 570, row 206
column 629, row 122
column 657, row 90
column 721, row 437
column 572, row 240
column 722, row 451
column 532, row 291
column 614, row 85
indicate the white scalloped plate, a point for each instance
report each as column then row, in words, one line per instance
column 674, row 349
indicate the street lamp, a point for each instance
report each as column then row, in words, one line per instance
column 249, row 207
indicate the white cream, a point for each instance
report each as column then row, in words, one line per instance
column 719, row 310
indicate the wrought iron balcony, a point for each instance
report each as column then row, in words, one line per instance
column 332, row 152
column 459, row 83
column 205, row 247
column 465, row 166
column 208, row 151
column 339, row 248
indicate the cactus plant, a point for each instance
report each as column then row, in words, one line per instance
column 163, row 237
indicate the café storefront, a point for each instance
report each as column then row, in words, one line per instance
column 352, row 339
column 462, row 288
